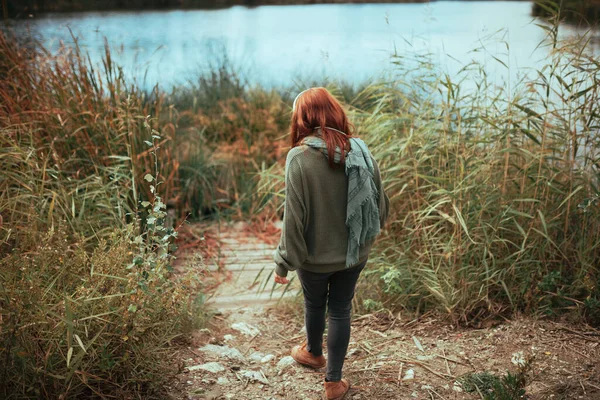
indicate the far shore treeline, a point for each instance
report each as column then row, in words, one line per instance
column 25, row 8
column 585, row 12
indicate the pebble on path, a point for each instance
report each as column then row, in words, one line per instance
column 213, row 367
column 285, row 362
column 223, row 352
column 245, row 329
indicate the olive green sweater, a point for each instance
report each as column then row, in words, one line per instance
column 314, row 235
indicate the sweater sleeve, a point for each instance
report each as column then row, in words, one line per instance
column 291, row 251
column 384, row 201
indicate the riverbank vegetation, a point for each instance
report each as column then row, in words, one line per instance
column 494, row 201
column 580, row 12
column 494, row 189
column 88, row 303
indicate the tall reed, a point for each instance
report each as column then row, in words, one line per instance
column 88, row 303
column 494, row 189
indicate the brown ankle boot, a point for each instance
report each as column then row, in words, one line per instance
column 305, row 357
column 336, row 390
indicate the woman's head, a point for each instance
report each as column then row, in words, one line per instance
column 317, row 108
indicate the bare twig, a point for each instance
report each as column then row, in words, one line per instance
column 383, row 335
column 425, row 366
column 592, row 385
column 451, row 359
column 292, row 339
column 400, row 374
column 249, row 342
column 383, row 341
column 446, row 362
column 439, row 395
column 581, row 335
column 578, row 352
column 370, row 368
column 362, row 317
column 583, row 387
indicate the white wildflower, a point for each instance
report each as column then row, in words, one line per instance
column 518, row 359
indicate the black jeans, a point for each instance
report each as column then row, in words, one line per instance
column 335, row 290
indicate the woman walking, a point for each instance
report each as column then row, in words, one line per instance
column 334, row 208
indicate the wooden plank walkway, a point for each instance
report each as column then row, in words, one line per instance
column 248, row 267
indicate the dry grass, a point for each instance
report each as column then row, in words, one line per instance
column 494, row 189
column 88, row 304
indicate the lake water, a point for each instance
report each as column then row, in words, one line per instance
column 280, row 45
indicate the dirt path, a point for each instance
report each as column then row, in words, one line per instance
column 244, row 353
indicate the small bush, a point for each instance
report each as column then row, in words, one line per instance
column 92, row 316
column 507, row 387
column 80, row 323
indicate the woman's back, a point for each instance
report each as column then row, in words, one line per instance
column 334, row 208
column 320, row 195
column 325, row 191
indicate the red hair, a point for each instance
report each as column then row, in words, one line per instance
column 317, row 108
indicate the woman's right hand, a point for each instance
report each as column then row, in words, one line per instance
column 281, row 279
